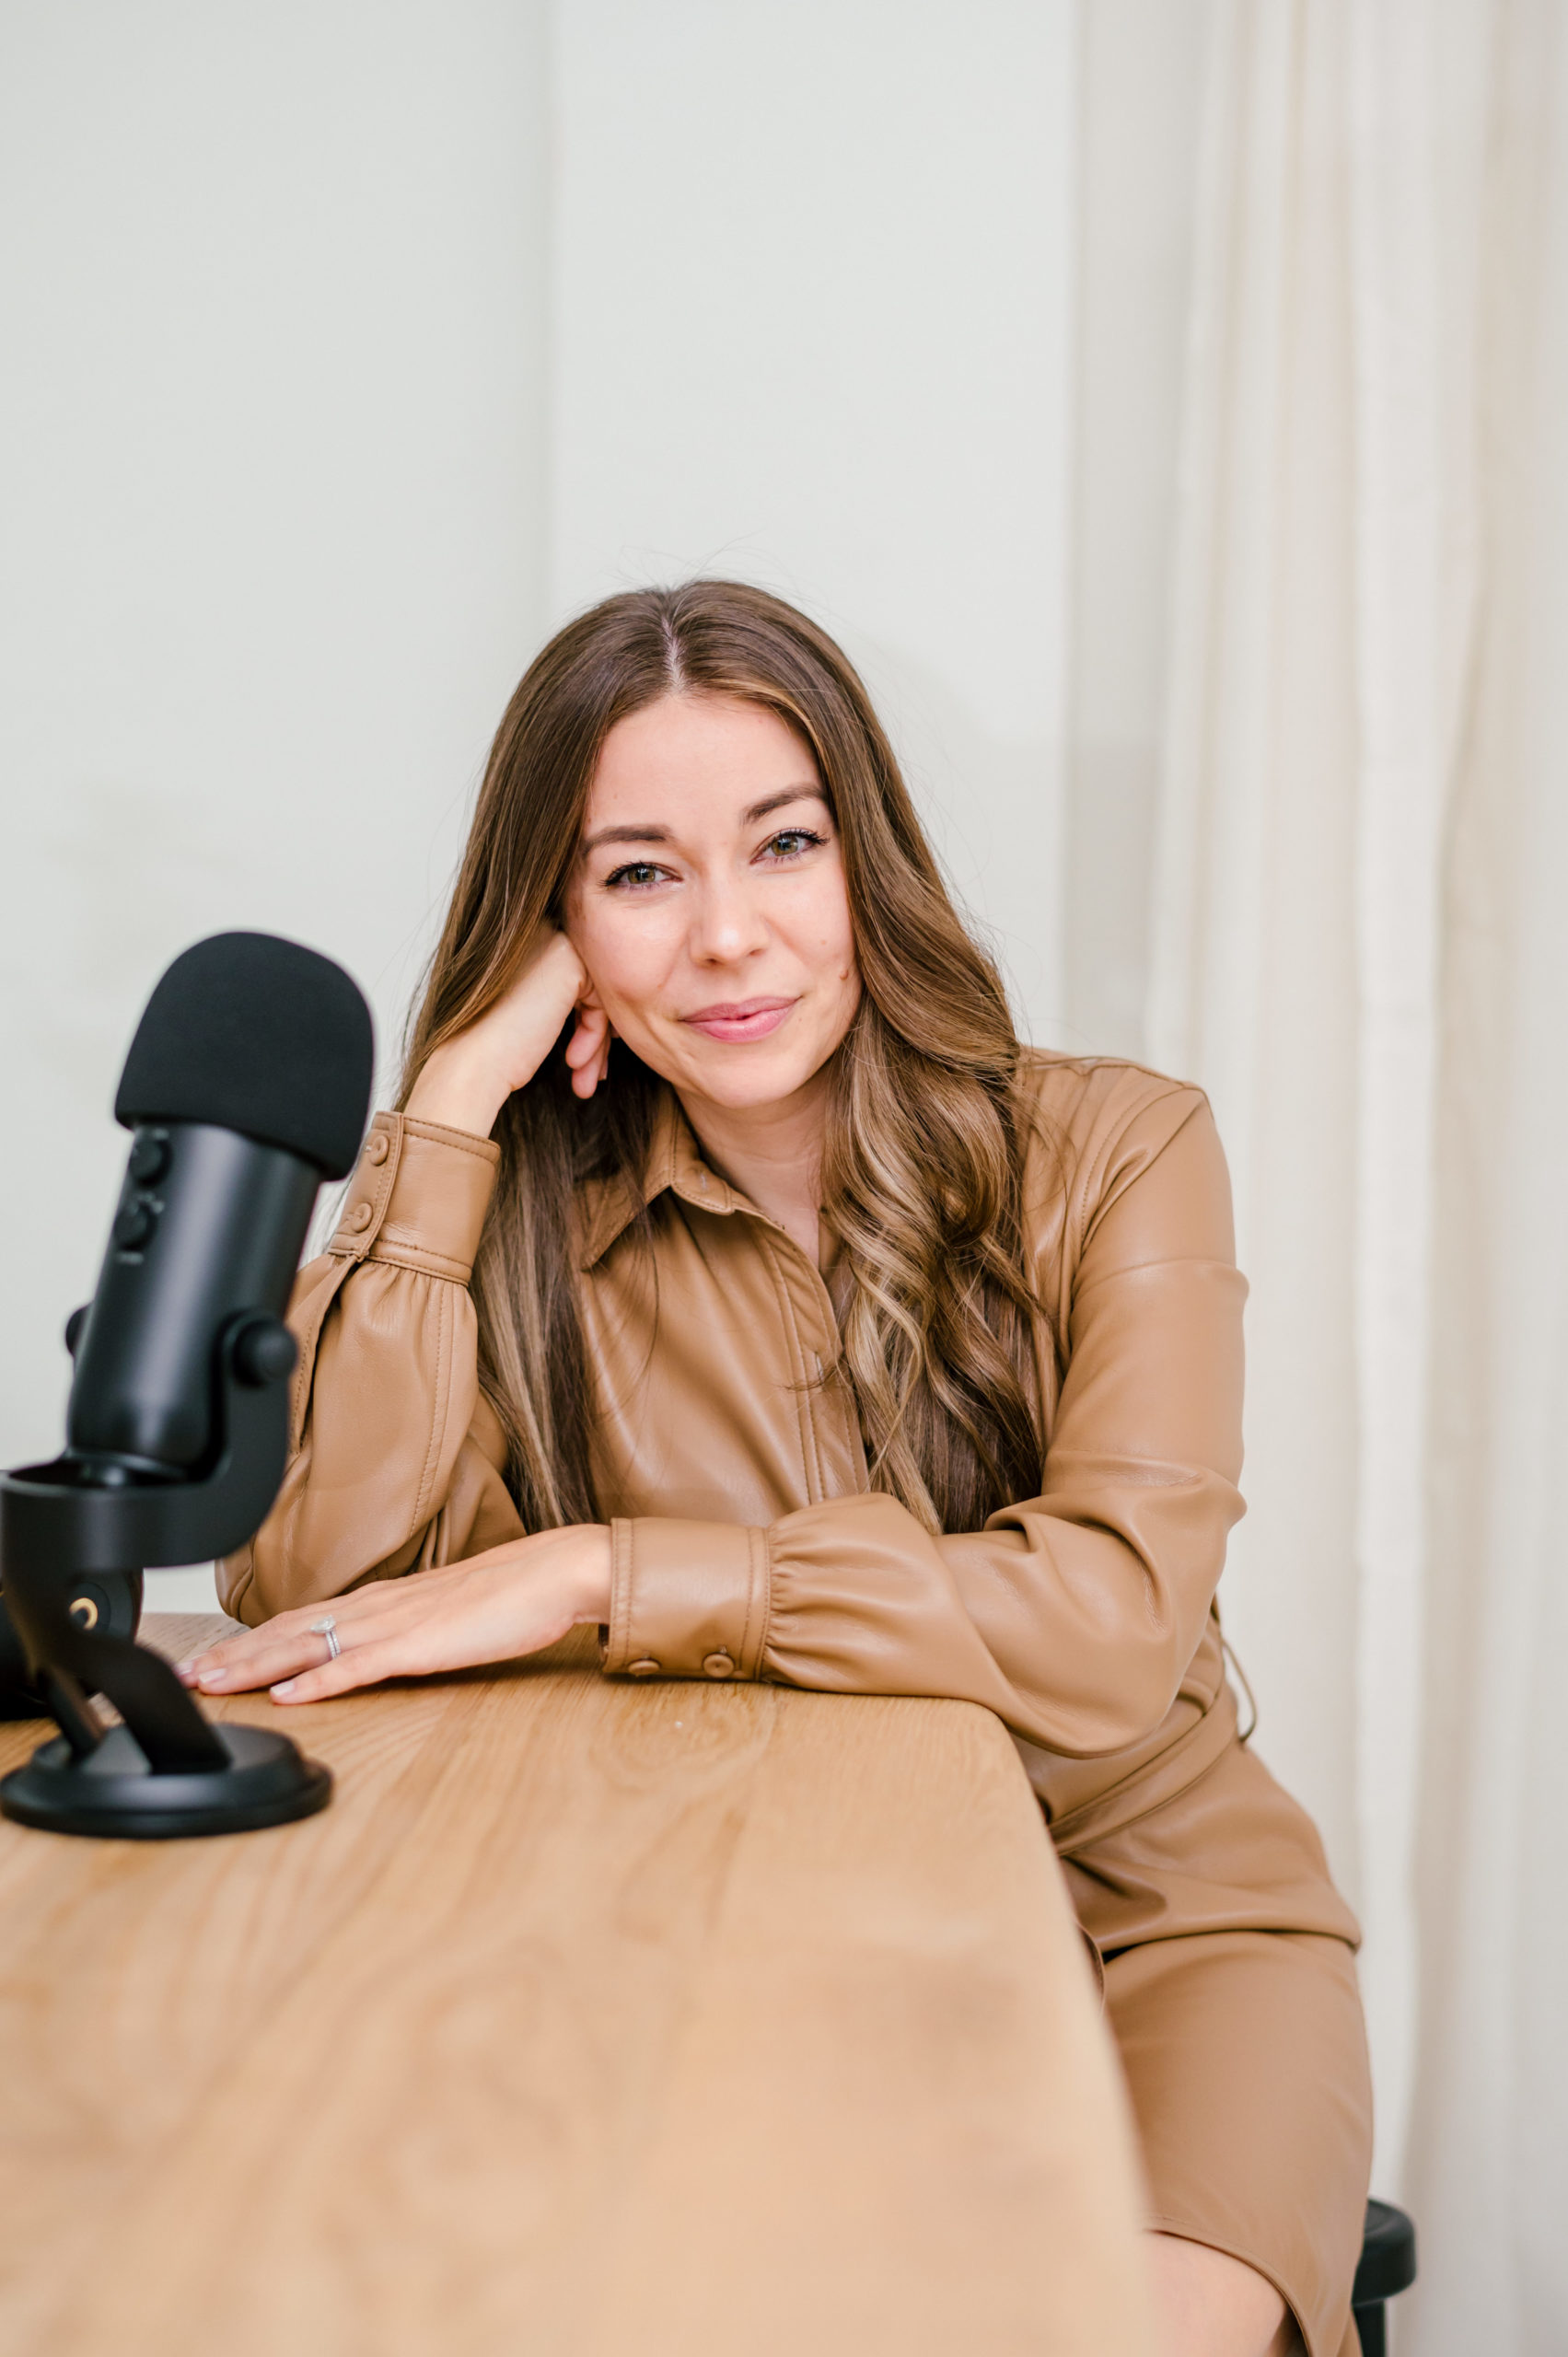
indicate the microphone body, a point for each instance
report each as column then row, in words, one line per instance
column 209, row 1226
column 246, row 1084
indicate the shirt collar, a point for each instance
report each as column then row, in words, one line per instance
column 607, row 1207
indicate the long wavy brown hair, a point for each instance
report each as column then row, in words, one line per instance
column 922, row 1174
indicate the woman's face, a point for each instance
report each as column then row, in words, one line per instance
column 709, row 904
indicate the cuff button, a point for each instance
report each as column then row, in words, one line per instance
column 647, row 1667
column 718, row 1665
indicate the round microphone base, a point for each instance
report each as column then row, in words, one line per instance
column 114, row 1796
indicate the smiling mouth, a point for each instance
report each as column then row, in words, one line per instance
column 749, row 1018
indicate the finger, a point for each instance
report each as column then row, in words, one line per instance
column 232, row 1653
column 268, row 1654
column 587, row 1035
column 260, row 1664
column 294, row 1628
column 588, row 1063
column 281, row 1624
column 355, row 1665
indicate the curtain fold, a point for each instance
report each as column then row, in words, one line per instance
column 1487, row 2165
column 1356, row 942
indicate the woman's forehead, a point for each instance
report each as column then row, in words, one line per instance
column 691, row 758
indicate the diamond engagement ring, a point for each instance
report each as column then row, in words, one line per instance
column 327, row 1629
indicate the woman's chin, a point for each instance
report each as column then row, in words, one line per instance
column 742, row 1079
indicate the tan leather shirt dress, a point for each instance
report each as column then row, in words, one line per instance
column 747, row 1544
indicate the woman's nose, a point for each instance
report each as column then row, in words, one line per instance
column 727, row 924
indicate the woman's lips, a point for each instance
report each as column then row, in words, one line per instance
column 749, row 1018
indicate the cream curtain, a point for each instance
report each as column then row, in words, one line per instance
column 1486, row 2161
column 1354, row 936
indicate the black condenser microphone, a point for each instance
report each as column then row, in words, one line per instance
column 247, row 1083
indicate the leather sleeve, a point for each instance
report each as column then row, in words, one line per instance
column 1074, row 1614
column 395, row 1459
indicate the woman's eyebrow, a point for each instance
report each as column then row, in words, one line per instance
column 633, row 834
column 649, row 832
column 808, row 793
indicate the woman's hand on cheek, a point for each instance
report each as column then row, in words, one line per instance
column 512, row 1600
column 464, row 1083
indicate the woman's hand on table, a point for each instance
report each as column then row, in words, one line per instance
column 511, row 1600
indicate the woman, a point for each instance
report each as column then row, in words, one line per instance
column 822, row 1333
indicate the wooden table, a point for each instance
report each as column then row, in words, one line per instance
column 589, row 2018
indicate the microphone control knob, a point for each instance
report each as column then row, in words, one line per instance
column 150, row 1157
column 133, row 1223
column 74, row 1325
column 265, row 1353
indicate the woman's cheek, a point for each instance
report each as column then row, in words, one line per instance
column 629, row 967
column 828, row 926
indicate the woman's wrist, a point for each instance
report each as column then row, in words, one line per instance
column 457, row 1092
column 591, row 1572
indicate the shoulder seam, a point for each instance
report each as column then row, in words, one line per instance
column 1078, row 1205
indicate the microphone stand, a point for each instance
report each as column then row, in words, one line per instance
column 166, row 1769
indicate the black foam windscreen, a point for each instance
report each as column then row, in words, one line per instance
column 246, row 1032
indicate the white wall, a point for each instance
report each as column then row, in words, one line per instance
column 349, row 348
column 271, row 465
column 1140, row 114
column 812, row 324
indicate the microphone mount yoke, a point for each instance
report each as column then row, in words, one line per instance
column 70, row 1538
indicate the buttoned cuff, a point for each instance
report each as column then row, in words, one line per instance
column 686, row 1599
column 418, row 1198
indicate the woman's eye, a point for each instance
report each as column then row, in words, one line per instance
column 635, row 877
column 791, row 843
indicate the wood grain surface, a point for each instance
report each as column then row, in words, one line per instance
column 588, row 2019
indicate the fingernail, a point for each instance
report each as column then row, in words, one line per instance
column 283, row 1690
column 212, row 1677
